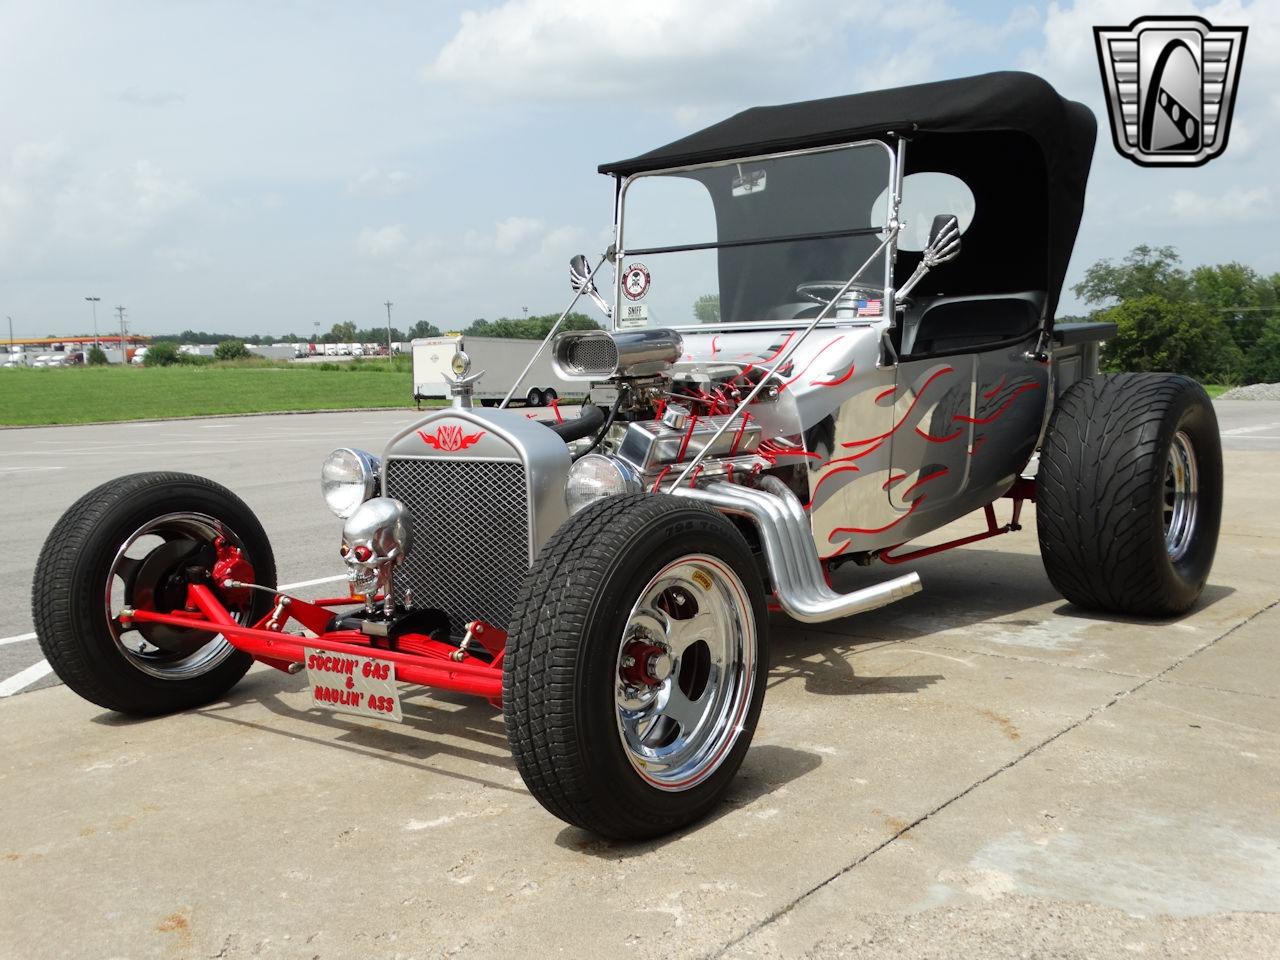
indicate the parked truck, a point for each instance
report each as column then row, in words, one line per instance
column 501, row 359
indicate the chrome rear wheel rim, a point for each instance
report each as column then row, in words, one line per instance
column 1181, row 492
column 685, row 672
column 142, row 654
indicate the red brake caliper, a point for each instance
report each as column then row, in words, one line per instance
column 231, row 565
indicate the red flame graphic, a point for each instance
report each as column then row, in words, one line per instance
column 449, row 438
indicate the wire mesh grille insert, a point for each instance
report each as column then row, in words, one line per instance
column 592, row 354
column 470, row 536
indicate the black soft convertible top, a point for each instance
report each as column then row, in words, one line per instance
column 1022, row 149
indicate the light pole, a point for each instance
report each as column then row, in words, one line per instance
column 93, row 303
column 10, row 319
column 124, row 351
column 388, row 305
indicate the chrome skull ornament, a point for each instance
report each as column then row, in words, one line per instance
column 375, row 540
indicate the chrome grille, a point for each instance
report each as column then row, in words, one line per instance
column 592, row 355
column 470, row 536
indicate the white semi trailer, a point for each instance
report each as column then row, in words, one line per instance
column 501, row 359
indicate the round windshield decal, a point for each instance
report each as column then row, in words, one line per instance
column 635, row 282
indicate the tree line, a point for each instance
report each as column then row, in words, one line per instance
column 520, row 328
column 1219, row 323
column 346, row 332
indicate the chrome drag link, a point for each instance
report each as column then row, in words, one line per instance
column 802, row 590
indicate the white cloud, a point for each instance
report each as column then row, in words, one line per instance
column 690, row 49
column 518, row 261
column 511, row 234
column 381, row 242
column 687, row 55
column 52, row 201
column 557, row 241
column 379, row 183
column 179, row 259
column 1234, row 205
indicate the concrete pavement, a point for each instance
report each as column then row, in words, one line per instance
column 979, row 771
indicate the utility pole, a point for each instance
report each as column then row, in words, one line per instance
column 93, row 302
column 124, row 352
column 388, row 305
column 10, row 319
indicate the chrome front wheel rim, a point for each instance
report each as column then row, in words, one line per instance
column 685, row 672
column 122, row 576
column 1181, row 489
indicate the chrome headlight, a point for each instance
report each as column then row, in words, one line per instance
column 347, row 479
column 596, row 476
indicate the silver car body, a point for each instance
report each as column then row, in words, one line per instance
column 881, row 448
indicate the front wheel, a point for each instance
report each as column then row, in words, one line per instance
column 635, row 666
column 138, row 541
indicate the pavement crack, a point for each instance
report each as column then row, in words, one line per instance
column 790, row 905
column 1206, row 686
column 1041, row 660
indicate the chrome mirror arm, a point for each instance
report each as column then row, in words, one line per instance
column 580, row 281
column 916, row 276
column 890, row 234
column 599, row 301
column 589, row 282
column 943, row 245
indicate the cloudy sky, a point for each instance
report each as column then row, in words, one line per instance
column 257, row 167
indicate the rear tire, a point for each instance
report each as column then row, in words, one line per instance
column 1129, row 493
column 84, row 556
column 635, row 667
column 535, row 398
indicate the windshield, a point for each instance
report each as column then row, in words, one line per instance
column 754, row 241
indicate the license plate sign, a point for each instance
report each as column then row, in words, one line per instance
column 345, row 683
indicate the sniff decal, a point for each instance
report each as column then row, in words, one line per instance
column 1170, row 84
column 635, row 282
column 633, row 315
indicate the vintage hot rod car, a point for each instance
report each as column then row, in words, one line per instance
column 802, row 369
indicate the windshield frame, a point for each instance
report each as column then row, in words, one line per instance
column 893, row 193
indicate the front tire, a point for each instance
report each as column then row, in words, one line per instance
column 635, row 665
column 1129, row 494
column 132, row 541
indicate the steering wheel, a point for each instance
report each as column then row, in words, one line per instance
column 821, row 291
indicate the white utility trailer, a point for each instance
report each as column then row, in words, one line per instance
column 501, row 359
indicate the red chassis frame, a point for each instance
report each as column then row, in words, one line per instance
column 420, row 658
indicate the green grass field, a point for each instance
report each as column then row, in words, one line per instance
column 33, row 397
column 30, row 397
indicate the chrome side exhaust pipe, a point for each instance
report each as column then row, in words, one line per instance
column 801, row 588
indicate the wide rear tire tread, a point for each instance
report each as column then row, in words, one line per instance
column 1100, row 486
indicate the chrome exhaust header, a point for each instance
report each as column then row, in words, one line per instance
column 801, row 588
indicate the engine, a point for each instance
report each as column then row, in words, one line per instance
column 660, row 417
